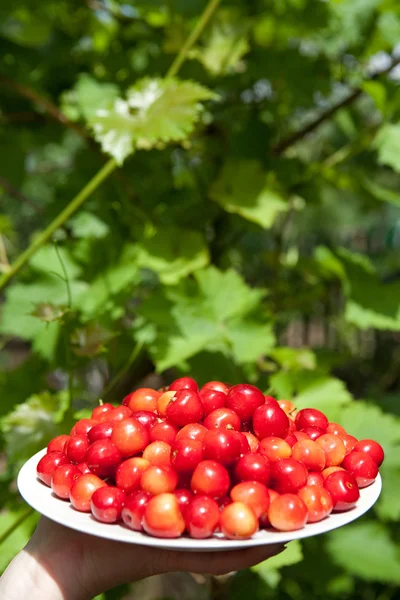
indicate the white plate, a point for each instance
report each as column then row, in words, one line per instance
column 41, row 498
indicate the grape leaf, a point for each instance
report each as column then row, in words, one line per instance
column 350, row 547
column 269, row 570
column 387, row 143
column 242, row 188
column 328, row 394
column 46, row 260
column 388, row 26
column 155, row 111
column 87, row 225
column 217, row 312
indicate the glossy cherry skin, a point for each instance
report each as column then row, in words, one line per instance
column 83, row 426
column 315, row 478
column 163, row 402
column 244, row 399
column 362, row 467
column 288, row 476
column 118, row 414
column 184, row 383
column 287, row 513
column 184, row 408
column 83, row 489
column 159, row 480
column 329, row 470
column 274, row 448
column 63, row 478
column 212, row 399
column 163, row 432
column 201, row 517
column 311, row 417
column 310, row 454
column 216, row 385
column 100, row 431
column 254, row 494
column 210, row 478
column 184, row 497
column 83, row 467
column 222, row 445
column 133, row 510
column 288, row 407
column 336, row 429
column 318, row 501
column 372, row 448
column 253, row 467
column 130, row 437
column 186, row 455
column 107, row 503
column 291, row 439
column 158, row 453
column 142, row 399
column 264, row 520
column 162, row 517
column 77, row 448
column 313, row 432
column 222, row 418
column 343, row 489
column 238, row 521
column 103, row 458
column 129, row 473
column 349, row 442
column 194, row 431
column 269, row 420
column 253, row 442
column 146, row 418
column 101, row 411
column 333, row 447
column 48, row 464
column 58, row 444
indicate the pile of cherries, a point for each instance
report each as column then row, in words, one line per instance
column 222, row 459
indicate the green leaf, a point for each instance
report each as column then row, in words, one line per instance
column 242, row 188
column 155, row 111
column 269, row 570
column 293, row 359
column 173, row 254
column 92, row 95
column 380, row 192
column 47, row 261
column 350, row 547
column 217, row 312
column 389, row 27
column 86, row 225
column 32, row 424
column 377, row 92
column 328, row 394
column 387, row 143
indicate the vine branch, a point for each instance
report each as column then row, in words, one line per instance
column 353, row 95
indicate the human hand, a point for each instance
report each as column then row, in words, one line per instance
column 64, row 564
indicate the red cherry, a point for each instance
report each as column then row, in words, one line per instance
column 336, row 429
column 300, row 435
column 142, row 399
column 270, row 400
column 333, row 447
column 48, row 464
column 222, row 418
column 63, row 478
column 159, row 480
column 184, row 408
column 253, row 467
column 343, row 489
column 210, row 478
column 163, row 402
column 83, row 468
column 275, row 448
column 194, row 431
column 212, row 399
column 318, row 502
column 103, row 458
column 244, row 399
column 77, row 448
column 83, row 489
column 310, row 454
column 184, row 383
column 133, row 510
column 184, row 497
column 146, row 418
column 129, row 473
column 315, row 478
column 286, row 405
column 158, row 453
column 264, row 520
column 202, row 517
column 100, row 431
column 372, row 448
column 269, row 420
column 238, row 521
column 107, row 504
column 311, row 417
column 288, row 476
column 253, row 442
column 162, row 517
column 83, row 426
column 222, row 445
column 329, row 470
column 254, row 494
column 291, row 439
column 349, row 442
column 362, row 467
column 216, row 385
column 118, row 414
column 186, row 455
column 58, row 444
column 130, row 437
column 163, row 432
column 313, row 432
column 99, row 412
column 287, row 513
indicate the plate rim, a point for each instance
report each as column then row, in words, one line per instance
column 119, row 532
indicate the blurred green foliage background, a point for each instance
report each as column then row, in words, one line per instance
column 251, row 232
